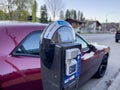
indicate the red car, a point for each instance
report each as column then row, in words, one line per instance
column 20, row 60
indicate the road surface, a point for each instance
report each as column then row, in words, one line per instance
column 113, row 65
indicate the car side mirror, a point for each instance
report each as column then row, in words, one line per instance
column 92, row 48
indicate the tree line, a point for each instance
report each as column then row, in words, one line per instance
column 68, row 14
column 72, row 14
column 21, row 10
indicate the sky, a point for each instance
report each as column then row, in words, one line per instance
column 94, row 9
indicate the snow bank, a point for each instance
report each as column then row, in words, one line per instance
column 116, row 83
column 88, row 55
column 99, row 46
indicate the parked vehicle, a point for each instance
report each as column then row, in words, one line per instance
column 117, row 35
column 20, row 67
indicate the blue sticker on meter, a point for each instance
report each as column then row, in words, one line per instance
column 63, row 23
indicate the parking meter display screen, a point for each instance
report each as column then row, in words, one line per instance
column 72, row 69
column 66, row 34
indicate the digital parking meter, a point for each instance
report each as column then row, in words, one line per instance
column 60, row 57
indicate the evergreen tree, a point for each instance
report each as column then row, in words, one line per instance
column 72, row 14
column 44, row 14
column 34, row 7
column 78, row 16
column 67, row 14
column 75, row 15
column 82, row 17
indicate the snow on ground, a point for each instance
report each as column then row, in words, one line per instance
column 115, row 82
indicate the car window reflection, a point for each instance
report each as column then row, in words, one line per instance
column 30, row 45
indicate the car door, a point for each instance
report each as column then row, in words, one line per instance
column 88, row 60
column 25, row 59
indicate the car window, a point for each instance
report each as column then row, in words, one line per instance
column 84, row 45
column 30, row 45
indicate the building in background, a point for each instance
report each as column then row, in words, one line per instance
column 85, row 26
column 76, row 24
column 92, row 26
column 110, row 27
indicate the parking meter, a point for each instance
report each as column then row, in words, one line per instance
column 60, row 57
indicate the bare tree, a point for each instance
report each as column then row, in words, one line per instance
column 54, row 7
column 7, row 7
column 14, row 9
column 61, row 16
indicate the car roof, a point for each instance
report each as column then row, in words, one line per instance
column 20, row 23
